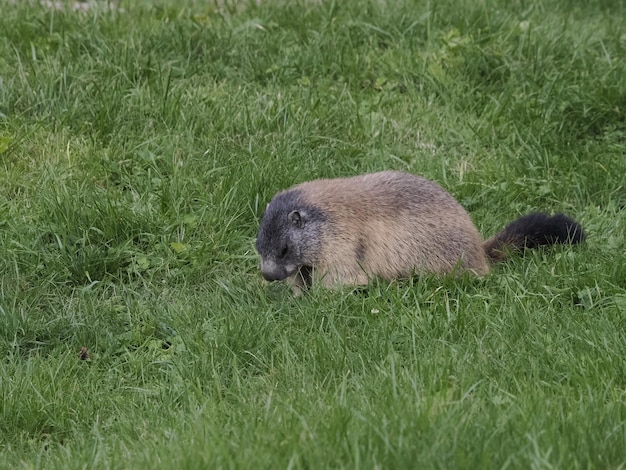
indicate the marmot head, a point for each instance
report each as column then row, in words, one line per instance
column 289, row 236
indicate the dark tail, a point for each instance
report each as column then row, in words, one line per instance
column 532, row 231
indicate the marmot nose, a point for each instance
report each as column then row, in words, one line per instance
column 270, row 275
column 271, row 271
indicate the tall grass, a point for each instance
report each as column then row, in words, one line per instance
column 139, row 144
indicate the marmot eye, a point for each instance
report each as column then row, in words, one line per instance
column 283, row 252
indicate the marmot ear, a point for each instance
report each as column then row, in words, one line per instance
column 296, row 219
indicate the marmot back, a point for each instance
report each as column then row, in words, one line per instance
column 388, row 224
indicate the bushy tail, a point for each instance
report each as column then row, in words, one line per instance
column 532, row 231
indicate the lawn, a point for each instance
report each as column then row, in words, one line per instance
column 139, row 145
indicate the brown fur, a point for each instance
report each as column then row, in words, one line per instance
column 395, row 232
column 388, row 224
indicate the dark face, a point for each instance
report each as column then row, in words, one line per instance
column 287, row 238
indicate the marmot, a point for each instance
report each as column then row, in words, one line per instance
column 390, row 224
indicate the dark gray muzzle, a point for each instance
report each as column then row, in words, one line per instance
column 272, row 272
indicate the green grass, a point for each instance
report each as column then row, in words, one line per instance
column 138, row 149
